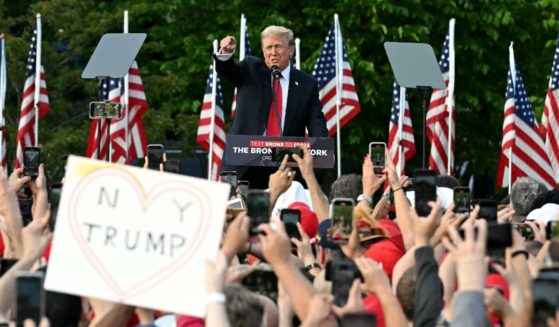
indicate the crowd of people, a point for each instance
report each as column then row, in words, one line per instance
column 395, row 268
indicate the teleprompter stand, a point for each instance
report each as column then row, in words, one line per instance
column 415, row 66
column 112, row 58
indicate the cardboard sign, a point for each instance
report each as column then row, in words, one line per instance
column 135, row 236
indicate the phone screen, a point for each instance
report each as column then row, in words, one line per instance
column 230, row 177
column 377, row 153
column 341, row 211
column 499, row 236
column 342, row 273
column 552, row 229
column 155, row 155
column 363, row 319
column 425, row 186
column 545, row 301
column 290, row 218
column 258, row 203
column 462, row 199
column 525, row 230
column 25, row 205
column 243, row 187
column 487, row 210
column 30, row 297
column 31, row 161
column 54, row 200
column 172, row 166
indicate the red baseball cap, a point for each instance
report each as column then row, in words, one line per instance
column 394, row 230
column 309, row 219
column 387, row 253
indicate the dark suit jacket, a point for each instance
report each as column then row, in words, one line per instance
column 254, row 97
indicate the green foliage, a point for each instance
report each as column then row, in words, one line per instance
column 175, row 59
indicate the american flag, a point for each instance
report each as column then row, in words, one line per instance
column 26, row 130
column 112, row 91
column 408, row 141
column 204, row 126
column 549, row 128
column 3, row 80
column 437, row 121
column 244, row 51
column 520, row 133
column 325, row 72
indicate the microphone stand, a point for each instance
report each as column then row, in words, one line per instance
column 274, row 98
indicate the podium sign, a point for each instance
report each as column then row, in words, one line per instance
column 256, row 150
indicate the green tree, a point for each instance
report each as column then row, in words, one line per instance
column 176, row 55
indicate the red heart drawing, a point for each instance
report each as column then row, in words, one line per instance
column 146, row 202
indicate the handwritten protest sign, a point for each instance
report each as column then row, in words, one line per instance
column 135, row 236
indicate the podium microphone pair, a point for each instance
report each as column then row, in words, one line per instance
column 276, row 72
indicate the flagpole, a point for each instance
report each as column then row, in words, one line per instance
column 298, row 53
column 242, row 51
column 126, row 97
column 450, row 94
column 3, row 80
column 37, row 79
column 513, row 77
column 400, row 128
column 339, row 77
column 212, row 116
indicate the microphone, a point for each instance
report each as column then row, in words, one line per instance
column 276, row 72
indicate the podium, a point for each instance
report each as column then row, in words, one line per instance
column 256, row 150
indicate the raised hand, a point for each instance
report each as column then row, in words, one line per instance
column 228, row 44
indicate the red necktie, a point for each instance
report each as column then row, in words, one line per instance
column 273, row 128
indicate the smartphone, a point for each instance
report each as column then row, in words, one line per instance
column 172, row 166
column 155, row 155
column 243, row 186
column 462, row 199
column 104, row 110
column 25, row 205
column 499, row 236
column 258, row 203
column 552, row 229
column 341, row 211
column 341, row 273
column 525, row 230
column 279, row 153
column 30, row 296
column 262, row 281
column 54, row 200
column 545, row 292
column 425, row 186
column 487, row 210
column 290, row 218
column 6, row 264
column 361, row 319
column 230, row 177
column 31, row 161
column 377, row 153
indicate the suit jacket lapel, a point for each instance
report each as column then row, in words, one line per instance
column 263, row 107
column 292, row 98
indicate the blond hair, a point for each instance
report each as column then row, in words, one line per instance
column 274, row 30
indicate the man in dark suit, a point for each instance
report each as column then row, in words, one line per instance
column 296, row 106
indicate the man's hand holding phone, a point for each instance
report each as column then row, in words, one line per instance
column 371, row 181
column 38, row 187
column 17, row 179
column 305, row 163
column 276, row 246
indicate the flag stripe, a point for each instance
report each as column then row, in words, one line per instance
column 325, row 72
